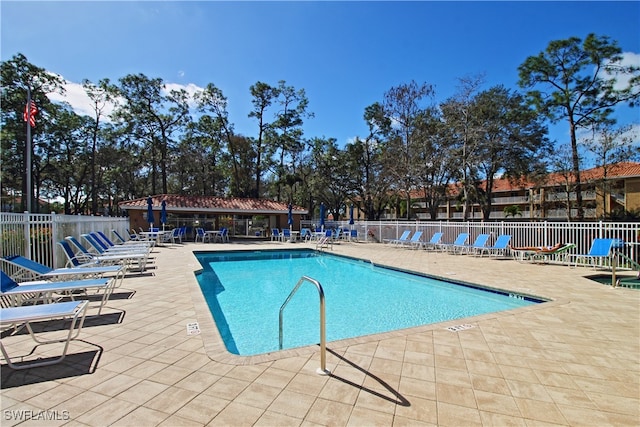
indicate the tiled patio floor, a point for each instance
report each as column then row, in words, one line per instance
column 574, row 361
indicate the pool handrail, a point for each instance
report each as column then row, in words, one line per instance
column 323, row 339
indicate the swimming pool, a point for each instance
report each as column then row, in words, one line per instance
column 245, row 290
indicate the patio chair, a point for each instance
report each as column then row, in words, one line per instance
column 172, row 236
column 305, row 234
column 14, row 316
column 460, row 240
column 182, row 233
column 400, row 240
column 479, row 243
column 600, row 251
column 48, row 292
column 286, row 235
column 433, row 242
column 35, row 270
column 498, row 248
column 224, row 235
column 200, row 234
column 353, row 235
column 276, row 235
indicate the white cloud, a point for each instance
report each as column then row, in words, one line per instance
column 77, row 98
column 190, row 88
column 628, row 59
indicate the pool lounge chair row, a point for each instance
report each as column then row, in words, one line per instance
column 601, row 248
column 458, row 246
column 60, row 295
column 103, row 252
column 43, row 294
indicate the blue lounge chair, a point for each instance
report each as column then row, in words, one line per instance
column 103, row 248
column 41, row 271
column 38, row 291
column 74, row 310
column 499, row 247
column 600, row 250
column 130, row 245
column 119, row 237
column 403, row 238
column 479, row 243
column 459, row 241
column 433, row 242
column 414, row 242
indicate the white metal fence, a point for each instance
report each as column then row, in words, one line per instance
column 523, row 233
column 35, row 236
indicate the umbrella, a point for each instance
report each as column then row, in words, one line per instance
column 322, row 215
column 351, row 214
column 150, row 219
column 290, row 216
column 163, row 214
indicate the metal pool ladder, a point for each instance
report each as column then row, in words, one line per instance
column 322, row 370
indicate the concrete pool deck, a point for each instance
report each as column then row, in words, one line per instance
column 574, row 361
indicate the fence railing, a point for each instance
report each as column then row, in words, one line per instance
column 523, row 233
column 35, row 236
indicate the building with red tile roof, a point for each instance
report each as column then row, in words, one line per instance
column 244, row 216
column 604, row 190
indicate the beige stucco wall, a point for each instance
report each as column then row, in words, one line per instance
column 632, row 191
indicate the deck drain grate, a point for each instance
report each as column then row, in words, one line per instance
column 459, row 328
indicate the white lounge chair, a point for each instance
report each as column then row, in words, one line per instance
column 50, row 292
column 35, row 270
column 25, row 315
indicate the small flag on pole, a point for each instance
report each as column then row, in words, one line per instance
column 30, row 111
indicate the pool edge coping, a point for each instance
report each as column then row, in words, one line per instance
column 216, row 350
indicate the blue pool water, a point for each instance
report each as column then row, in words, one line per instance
column 245, row 290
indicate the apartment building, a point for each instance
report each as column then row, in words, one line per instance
column 606, row 193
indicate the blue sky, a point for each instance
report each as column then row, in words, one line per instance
column 345, row 55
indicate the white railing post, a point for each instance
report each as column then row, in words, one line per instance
column 54, row 233
column 26, row 230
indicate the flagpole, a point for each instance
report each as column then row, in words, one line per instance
column 28, row 147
